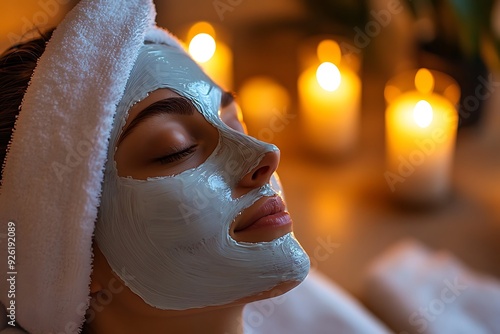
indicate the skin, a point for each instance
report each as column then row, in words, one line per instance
column 114, row 308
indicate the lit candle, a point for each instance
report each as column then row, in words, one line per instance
column 329, row 96
column 421, row 123
column 214, row 56
column 264, row 103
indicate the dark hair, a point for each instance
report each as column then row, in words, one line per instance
column 16, row 68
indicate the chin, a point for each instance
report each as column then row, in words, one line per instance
column 277, row 291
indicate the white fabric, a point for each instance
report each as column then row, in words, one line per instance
column 415, row 290
column 54, row 168
column 316, row 306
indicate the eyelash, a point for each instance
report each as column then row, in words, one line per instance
column 176, row 156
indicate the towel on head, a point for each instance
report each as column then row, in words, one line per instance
column 54, row 166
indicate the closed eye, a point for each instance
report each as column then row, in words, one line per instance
column 177, row 155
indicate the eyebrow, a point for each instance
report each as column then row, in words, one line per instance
column 172, row 105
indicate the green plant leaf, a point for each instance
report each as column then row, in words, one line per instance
column 473, row 19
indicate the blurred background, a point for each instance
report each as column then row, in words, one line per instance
column 387, row 116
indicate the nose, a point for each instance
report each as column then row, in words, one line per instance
column 259, row 175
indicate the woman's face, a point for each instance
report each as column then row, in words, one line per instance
column 156, row 144
column 190, row 207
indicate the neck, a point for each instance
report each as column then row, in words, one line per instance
column 226, row 320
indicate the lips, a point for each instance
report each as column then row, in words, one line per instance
column 271, row 212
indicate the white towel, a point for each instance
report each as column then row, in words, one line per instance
column 54, row 168
column 415, row 290
column 316, row 306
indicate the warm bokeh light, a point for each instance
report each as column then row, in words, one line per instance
column 264, row 101
column 423, row 113
column 211, row 52
column 424, row 81
column 259, row 94
column 328, row 76
column 391, row 92
column 329, row 50
column 202, row 47
column 201, row 27
column 452, row 93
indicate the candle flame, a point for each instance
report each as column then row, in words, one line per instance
column 423, row 113
column 424, row 81
column 201, row 27
column 329, row 50
column 328, row 76
column 202, row 47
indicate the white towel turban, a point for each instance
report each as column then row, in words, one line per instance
column 54, row 167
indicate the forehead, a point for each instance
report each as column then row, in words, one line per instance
column 162, row 66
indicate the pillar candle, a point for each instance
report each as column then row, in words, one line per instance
column 421, row 125
column 213, row 55
column 329, row 95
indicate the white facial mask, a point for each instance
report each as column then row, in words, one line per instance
column 170, row 235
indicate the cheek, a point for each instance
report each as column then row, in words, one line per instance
column 182, row 210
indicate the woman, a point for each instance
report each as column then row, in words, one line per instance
column 206, row 224
column 187, row 224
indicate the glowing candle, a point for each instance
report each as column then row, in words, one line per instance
column 264, row 103
column 214, row 56
column 421, row 124
column 329, row 95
